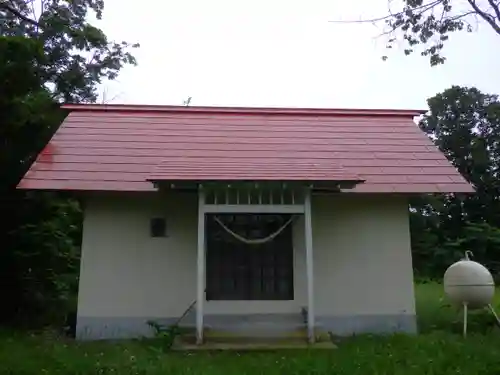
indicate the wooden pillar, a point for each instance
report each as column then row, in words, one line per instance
column 309, row 266
column 200, row 281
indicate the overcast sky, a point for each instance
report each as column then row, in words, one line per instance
column 282, row 53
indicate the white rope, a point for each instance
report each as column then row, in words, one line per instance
column 257, row 241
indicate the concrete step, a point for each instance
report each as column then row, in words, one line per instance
column 251, row 345
column 248, row 321
column 225, row 342
column 251, row 331
column 297, row 335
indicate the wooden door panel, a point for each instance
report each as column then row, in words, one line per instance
column 240, row 271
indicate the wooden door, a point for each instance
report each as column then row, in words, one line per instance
column 240, row 271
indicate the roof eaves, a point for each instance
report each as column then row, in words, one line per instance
column 344, row 184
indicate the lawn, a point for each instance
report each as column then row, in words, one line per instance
column 439, row 349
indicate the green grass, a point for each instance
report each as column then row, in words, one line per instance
column 439, row 349
column 435, row 313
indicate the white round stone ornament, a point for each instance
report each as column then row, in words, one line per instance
column 467, row 282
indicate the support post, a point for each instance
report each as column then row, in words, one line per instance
column 200, row 291
column 309, row 266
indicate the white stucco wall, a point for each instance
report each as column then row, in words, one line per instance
column 362, row 259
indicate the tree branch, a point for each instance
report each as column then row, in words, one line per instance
column 372, row 20
column 18, row 14
column 32, row 3
column 486, row 16
column 464, row 15
column 92, row 59
column 495, row 7
column 425, row 8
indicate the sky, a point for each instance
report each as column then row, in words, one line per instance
column 282, row 53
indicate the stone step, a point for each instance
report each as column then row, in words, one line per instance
column 247, row 320
column 249, row 343
column 297, row 335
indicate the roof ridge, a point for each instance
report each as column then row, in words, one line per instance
column 246, row 110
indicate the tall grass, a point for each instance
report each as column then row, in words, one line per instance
column 435, row 313
column 439, row 349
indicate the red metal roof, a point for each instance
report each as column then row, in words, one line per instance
column 249, row 168
column 124, row 148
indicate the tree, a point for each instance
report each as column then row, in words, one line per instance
column 465, row 124
column 78, row 56
column 49, row 54
column 429, row 23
